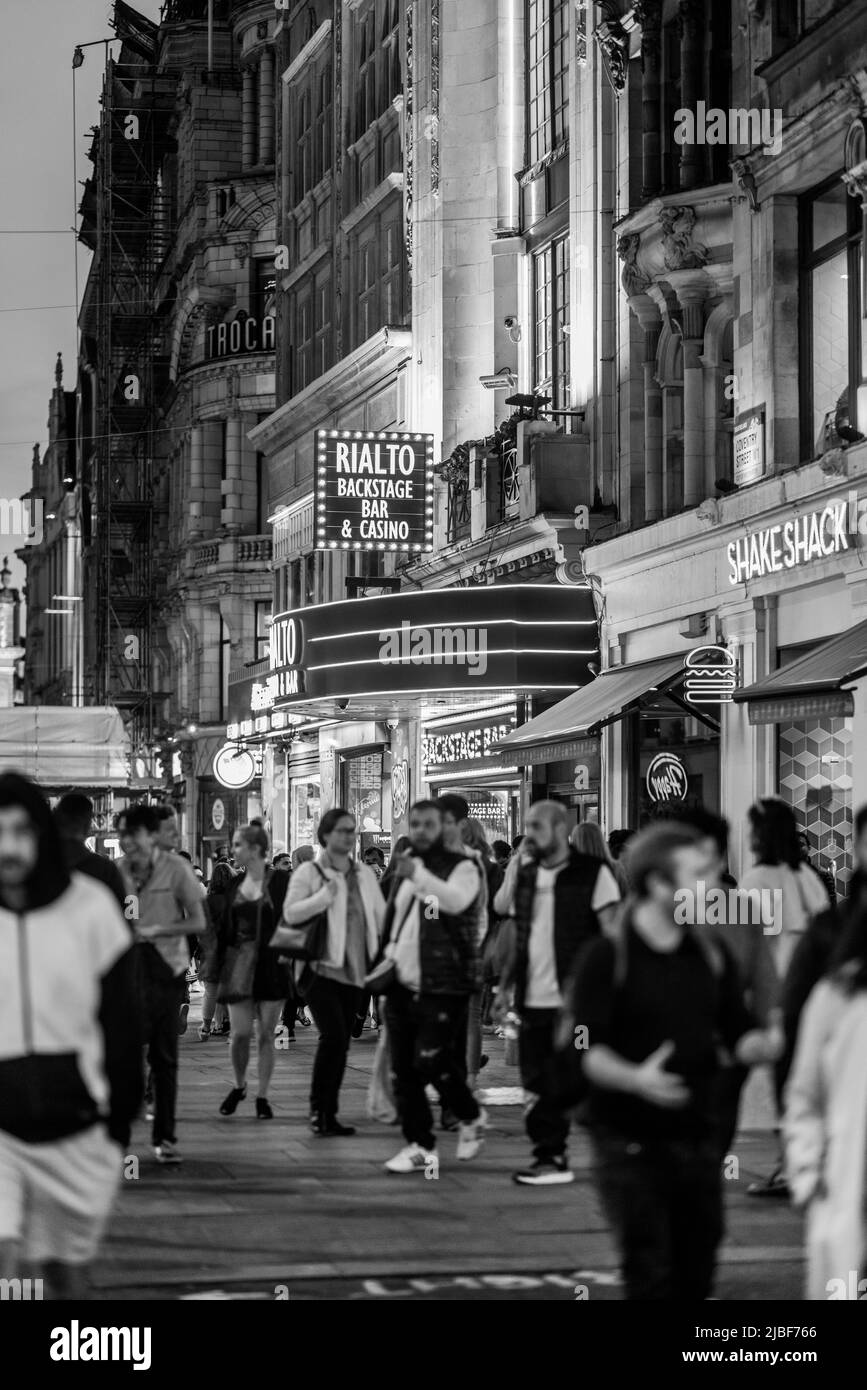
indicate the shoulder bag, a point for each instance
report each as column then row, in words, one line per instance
column 383, row 977
column 305, row 941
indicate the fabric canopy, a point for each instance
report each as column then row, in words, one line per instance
column 555, row 733
column 811, row 685
column 60, row 746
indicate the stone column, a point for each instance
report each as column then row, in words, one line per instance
column 230, row 514
column 212, row 469
column 267, row 114
column 691, row 21
column 648, row 14
column 692, row 301
column 197, row 481
column 248, row 119
column 651, row 323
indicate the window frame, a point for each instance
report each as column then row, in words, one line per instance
column 557, row 380
column 545, row 135
column 850, row 241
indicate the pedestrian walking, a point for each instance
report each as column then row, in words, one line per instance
column 215, row 1016
column 562, row 900
column 652, row 1005
column 798, row 894
column 348, row 894
column 168, row 905
column 70, row 1053
column 431, row 936
column 587, row 838
column 253, row 983
column 74, row 816
column 825, row 1124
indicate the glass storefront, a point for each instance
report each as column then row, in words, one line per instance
column 361, row 791
column 495, row 807
column 676, row 760
column 305, row 810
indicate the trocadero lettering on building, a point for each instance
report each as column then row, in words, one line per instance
column 774, row 549
column 243, row 334
column 374, row 491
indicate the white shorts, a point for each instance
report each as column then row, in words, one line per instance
column 55, row 1198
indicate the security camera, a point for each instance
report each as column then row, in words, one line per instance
column 509, row 321
column 342, row 704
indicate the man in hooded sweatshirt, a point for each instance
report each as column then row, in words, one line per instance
column 70, row 1056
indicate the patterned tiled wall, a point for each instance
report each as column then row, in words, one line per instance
column 815, row 767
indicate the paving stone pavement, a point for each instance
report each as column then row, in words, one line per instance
column 264, row 1209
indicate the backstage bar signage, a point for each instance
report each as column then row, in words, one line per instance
column 243, row 334
column 506, row 637
column 773, row 549
column 465, row 746
column 374, row 491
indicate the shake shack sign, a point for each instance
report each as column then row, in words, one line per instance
column 495, row 637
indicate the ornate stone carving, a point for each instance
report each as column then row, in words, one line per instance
column 746, row 182
column 632, row 278
column 581, row 33
column 681, row 252
column 613, row 42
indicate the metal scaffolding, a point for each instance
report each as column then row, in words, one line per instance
column 129, row 234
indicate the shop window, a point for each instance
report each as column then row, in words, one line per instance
column 833, row 357
column 305, row 810
column 361, row 789
column 547, row 29
column 551, row 321
column 675, row 760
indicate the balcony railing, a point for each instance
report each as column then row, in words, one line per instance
column 232, row 552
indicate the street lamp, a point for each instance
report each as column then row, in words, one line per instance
column 78, row 55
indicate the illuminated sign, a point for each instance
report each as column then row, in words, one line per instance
column 444, row 747
column 400, row 789
column 374, row 491
column 218, row 814
column 243, row 334
column 774, row 549
column 667, row 779
column 234, row 767
column 712, row 676
column 486, row 638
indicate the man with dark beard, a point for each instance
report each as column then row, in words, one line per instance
column 70, row 1057
column 430, row 930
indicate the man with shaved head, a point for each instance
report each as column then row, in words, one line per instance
column 562, row 900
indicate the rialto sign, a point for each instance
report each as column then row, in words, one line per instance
column 773, row 549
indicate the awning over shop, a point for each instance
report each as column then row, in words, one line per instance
column 59, row 746
column 558, row 733
column 811, row 685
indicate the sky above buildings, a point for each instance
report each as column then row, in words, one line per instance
column 37, row 249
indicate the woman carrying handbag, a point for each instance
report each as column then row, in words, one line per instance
column 350, row 897
column 252, row 983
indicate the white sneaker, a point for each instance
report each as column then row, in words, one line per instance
column 471, row 1137
column 412, row 1159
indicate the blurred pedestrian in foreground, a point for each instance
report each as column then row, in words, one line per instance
column 70, row 1054
column 825, row 1123
column 74, row 816
column 587, row 838
column 652, row 1005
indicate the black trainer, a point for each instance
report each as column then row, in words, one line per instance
column 545, row 1172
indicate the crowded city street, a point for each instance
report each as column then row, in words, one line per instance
column 433, row 682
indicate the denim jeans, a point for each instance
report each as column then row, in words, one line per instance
column 426, row 1033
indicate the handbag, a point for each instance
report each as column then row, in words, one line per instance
column 383, row 976
column 306, row 941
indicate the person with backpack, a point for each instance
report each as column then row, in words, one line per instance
column 650, row 1006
